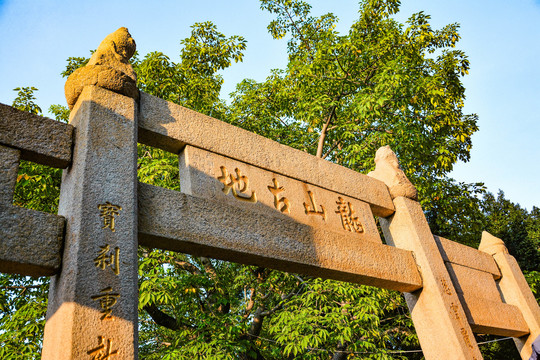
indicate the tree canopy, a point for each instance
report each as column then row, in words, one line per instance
column 340, row 97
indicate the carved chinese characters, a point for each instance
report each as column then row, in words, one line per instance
column 311, row 209
column 238, row 184
column 348, row 220
column 108, row 212
column 219, row 178
column 280, row 203
column 107, row 299
column 103, row 351
column 108, row 258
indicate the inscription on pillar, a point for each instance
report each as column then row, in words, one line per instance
column 108, row 212
column 103, row 351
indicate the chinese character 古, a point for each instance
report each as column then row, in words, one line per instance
column 275, row 190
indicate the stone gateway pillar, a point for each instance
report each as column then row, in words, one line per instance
column 92, row 310
column 436, row 311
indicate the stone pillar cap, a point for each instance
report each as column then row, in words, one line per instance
column 387, row 170
column 108, row 68
column 491, row 244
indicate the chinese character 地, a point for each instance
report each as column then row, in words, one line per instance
column 105, row 259
column 275, row 190
column 106, row 301
column 108, row 212
column 348, row 220
column 312, row 209
column 238, row 184
column 103, row 351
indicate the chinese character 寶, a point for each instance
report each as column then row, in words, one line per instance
column 108, row 212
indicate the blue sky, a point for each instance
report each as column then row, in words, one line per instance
column 501, row 38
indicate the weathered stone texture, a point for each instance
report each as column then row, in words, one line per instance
column 9, row 165
column 205, row 174
column 460, row 254
column 180, row 222
column 387, row 170
column 104, row 173
column 515, row 290
column 40, row 139
column 439, row 319
column 170, row 127
column 493, row 317
column 30, row 241
column 108, row 68
column 480, row 298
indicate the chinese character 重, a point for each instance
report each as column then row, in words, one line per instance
column 106, row 301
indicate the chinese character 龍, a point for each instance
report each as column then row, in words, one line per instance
column 108, row 212
column 348, row 220
column 237, row 184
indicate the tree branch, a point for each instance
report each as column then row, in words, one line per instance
column 163, row 319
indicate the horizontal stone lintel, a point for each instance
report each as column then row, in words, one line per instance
column 493, row 317
column 175, row 221
column 30, row 241
column 40, row 139
column 170, row 127
column 460, row 254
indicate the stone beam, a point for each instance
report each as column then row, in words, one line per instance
column 30, row 241
column 493, row 317
column 92, row 310
column 481, row 300
column 207, row 175
column 170, row 127
column 460, row 254
column 40, row 139
column 179, row 222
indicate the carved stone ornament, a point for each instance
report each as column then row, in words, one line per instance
column 387, row 170
column 108, row 68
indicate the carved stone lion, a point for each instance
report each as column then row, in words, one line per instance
column 108, row 68
column 387, row 170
